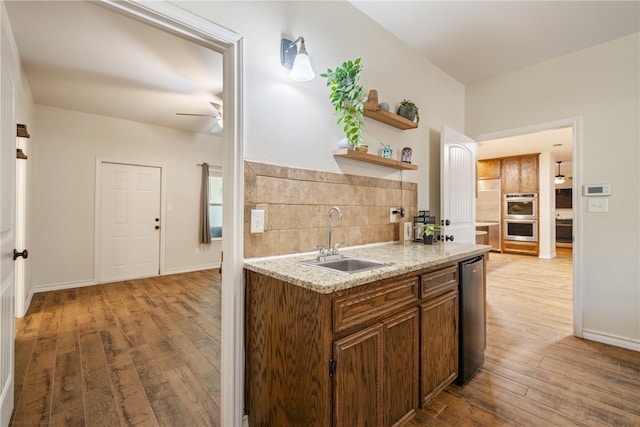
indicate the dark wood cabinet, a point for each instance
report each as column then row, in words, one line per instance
column 439, row 329
column 368, row 355
column 358, row 378
column 401, row 367
column 376, row 373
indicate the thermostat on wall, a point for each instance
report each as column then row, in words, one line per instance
column 597, row 190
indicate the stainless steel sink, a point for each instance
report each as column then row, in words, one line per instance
column 346, row 265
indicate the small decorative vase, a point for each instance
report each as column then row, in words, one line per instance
column 384, row 106
column 344, row 143
column 362, row 147
column 409, row 114
column 406, row 155
column 386, row 152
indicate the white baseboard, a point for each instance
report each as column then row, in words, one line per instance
column 83, row 283
column 191, row 269
column 27, row 303
column 63, row 286
column 627, row 343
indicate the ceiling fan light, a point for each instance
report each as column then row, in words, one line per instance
column 559, row 178
column 217, row 127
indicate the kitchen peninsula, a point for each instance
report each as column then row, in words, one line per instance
column 331, row 349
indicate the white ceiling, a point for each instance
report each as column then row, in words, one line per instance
column 558, row 142
column 477, row 40
column 84, row 57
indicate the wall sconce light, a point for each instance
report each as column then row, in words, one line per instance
column 296, row 61
column 559, row 179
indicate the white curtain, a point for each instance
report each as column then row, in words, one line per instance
column 205, row 228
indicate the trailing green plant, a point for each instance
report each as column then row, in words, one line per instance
column 408, row 109
column 348, row 97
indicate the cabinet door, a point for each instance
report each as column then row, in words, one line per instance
column 359, row 378
column 511, row 175
column 489, row 169
column 439, row 349
column 520, row 174
column 401, row 367
column 529, row 174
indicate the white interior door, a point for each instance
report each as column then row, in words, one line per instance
column 7, row 240
column 129, row 222
column 458, row 186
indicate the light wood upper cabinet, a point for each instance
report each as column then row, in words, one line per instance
column 489, row 169
column 529, row 174
column 520, row 174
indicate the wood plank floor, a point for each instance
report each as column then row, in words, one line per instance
column 146, row 352
column 536, row 373
column 142, row 352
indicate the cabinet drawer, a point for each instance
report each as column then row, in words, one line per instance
column 359, row 308
column 438, row 282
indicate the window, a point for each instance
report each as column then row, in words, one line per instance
column 215, row 202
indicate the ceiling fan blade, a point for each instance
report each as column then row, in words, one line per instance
column 217, row 109
column 193, row 114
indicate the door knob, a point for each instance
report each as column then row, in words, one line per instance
column 157, row 219
column 447, row 238
column 157, row 227
column 24, row 254
column 445, row 222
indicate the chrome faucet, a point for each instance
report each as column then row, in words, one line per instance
column 324, row 253
column 330, row 250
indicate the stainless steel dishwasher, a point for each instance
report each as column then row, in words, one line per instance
column 472, row 328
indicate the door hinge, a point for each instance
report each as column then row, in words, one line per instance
column 332, row 367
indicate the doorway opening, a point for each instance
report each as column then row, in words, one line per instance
column 177, row 22
column 550, row 139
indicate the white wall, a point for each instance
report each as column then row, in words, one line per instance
column 65, row 145
column 601, row 85
column 24, row 115
column 293, row 124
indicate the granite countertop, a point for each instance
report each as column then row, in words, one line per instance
column 406, row 258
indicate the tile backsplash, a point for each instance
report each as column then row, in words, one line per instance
column 297, row 201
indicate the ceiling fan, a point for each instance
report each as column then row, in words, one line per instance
column 216, row 116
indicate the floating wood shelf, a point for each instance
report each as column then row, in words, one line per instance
column 372, row 158
column 391, row 119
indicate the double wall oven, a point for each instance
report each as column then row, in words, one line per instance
column 521, row 217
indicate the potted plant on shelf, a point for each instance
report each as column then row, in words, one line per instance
column 348, row 98
column 427, row 231
column 409, row 110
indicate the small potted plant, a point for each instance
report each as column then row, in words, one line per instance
column 409, row 110
column 348, row 98
column 427, row 231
